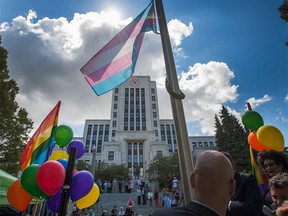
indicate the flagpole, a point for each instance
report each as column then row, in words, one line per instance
column 67, row 182
column 176, row 96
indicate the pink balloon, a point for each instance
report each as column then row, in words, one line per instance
column 50, row 177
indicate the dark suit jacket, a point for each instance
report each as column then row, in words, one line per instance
column 191, row 209
column 247, row 199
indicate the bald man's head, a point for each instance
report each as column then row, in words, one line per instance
column 213, row 179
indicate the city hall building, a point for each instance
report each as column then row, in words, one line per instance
column 135, row 134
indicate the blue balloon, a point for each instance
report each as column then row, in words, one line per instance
column 80, row 148
column 81, row 184
column 53, row 203
column 64, row 163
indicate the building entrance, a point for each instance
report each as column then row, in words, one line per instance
column 135, row 159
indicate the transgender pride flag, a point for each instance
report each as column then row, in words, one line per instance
column 116, row 61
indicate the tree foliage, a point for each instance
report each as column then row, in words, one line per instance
column 283, row 10
column 82, row 165
column 232, row 137
column 163, row 169
column 15, row 124
column 105, row 171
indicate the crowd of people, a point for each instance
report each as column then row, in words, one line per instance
column 236, row 193
column 217, row 192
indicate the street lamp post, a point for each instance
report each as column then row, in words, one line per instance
column 93, row 161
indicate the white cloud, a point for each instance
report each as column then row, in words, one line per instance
column 178, row 30
column 286, row 98
column 257, row 102
column 45, row 57
column 207, row 87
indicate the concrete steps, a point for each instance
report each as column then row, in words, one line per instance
column 107, row 201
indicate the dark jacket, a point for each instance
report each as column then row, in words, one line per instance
column 247, row 199
column 191, row 209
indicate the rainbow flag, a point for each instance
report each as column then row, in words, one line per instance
column 116, row 61
column 37, row 149
column 260, row 175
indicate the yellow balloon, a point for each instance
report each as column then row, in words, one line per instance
column 59, row 155
column 89, row 199
column 271, row 137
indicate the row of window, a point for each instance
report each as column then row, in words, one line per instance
column 202, row 144
column 97, row 137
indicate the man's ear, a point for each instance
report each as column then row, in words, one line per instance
column 232, row 187
column 192, row 180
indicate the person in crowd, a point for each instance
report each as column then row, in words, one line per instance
column 282, row 210
column 213, row 183
column 156, row 198
column 150, row 197
column 140, row 183
column 278, row 185
column 114, row 211
column 146, row 184
column 143, row 193
column 173, row 202
column 131, row 185
column 91, row 213
column 177, row 196
column 109, row 187
column 175, row 185
column 105, row 186
column 130, row 203
column 139, row 195
column 247, row 199
column 130, row 212
column 121, row 212
column 114, row 185
column 119, row 186
column 99, row 183
column 272, row 163
column 164, row 192
column 127, row 186
column 167, row 201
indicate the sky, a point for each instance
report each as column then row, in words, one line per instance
column 226, row 53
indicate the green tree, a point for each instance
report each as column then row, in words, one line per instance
column 82, row 165
column 232, row 137
column 15, row 124
column 163, row 169
column 283, row 10
column 106, row 171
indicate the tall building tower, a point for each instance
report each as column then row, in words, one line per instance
column 134, row 134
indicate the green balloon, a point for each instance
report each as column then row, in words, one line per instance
column 63, row 135
column 252, row 120
column 29, row 182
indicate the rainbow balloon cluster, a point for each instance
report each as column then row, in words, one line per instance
column 46, row 181
column 262, row 137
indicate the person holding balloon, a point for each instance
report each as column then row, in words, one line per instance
column 272, row 162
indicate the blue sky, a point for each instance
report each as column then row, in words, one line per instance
column 233, row 50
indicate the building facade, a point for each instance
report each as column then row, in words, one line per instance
column 134, row 134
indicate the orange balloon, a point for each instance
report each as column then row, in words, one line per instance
column 254, row 142
column 17, row 196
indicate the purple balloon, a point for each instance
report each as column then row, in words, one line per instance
column 80, row 148
column 81, row 184
column 53, row 203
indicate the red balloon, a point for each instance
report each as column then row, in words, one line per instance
column 50, row 177
column 17, row 196
column 254, row 142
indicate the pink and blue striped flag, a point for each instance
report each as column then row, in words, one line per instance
column 116, row 61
